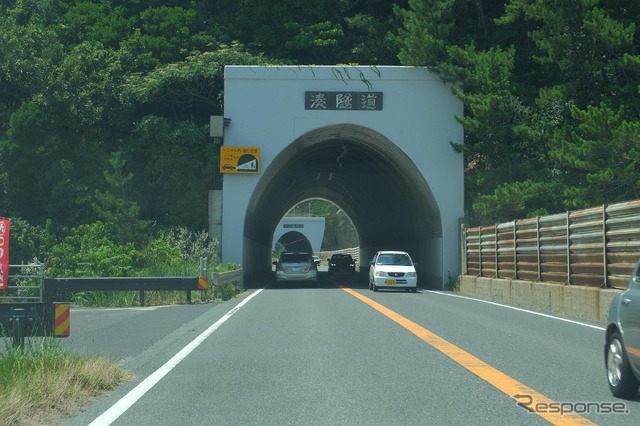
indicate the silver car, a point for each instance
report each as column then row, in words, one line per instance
column 622, row 347
column 296, row 267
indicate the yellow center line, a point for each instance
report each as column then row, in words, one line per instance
column 524, row 395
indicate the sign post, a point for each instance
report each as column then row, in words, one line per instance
column 5, row 226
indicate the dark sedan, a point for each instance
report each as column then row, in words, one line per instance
column 342, row 264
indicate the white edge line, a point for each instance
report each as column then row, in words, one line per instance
column 143, row 387
column 519, row 309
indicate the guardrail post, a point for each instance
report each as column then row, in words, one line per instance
column 41, row 267
column 495, row 241
column 480, row 251
column 538, row 248
column 18, row 326
column 568, row 251
column 605, row 263
column 204, row 272
column 515, row 250
column 463, row 245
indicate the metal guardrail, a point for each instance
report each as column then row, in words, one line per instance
column 25, row 284
column 596, row 247
column 63, row 287
column 221, row 278
column 33, row 286
column 23, row 313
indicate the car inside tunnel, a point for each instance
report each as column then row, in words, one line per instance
column 366, row 175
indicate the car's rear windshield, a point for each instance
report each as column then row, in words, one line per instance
column 296, row 257
column 341, row 257
column 399, row 259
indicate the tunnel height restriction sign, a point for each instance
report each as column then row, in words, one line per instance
column 239, row 159
column 4, row 253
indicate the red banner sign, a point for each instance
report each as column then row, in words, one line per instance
column 4, row 253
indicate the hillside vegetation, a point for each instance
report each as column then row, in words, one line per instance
column 104, row 105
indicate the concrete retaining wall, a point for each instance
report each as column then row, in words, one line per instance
column 567, row 300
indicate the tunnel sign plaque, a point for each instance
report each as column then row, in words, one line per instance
column 239, row 159
column 343, row 101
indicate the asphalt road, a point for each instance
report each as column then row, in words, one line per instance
column 327, row 355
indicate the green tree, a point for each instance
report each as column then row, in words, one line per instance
column 173, row 173
column 170, row 33
column 115, row 208
column 529, row 72
column 498, row 146
column 589, row 105
column 583, row 47
column 551, row 94
column 426, row 32
column 89, row 250
column 59, row 137
column 189, row 89
column 90, row 21
column 604, row 148
column 31, row 243
column 311, row 32
column 28, row 53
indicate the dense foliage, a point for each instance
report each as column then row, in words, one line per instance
column 551, row 94
column 104, row 104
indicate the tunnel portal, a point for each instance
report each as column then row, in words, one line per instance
column 392, row 171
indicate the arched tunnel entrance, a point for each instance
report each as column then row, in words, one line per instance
column 295, row 241
column 375, row 183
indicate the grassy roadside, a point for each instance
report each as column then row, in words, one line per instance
column 41, row 383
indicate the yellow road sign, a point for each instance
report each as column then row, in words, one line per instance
column 239, row 159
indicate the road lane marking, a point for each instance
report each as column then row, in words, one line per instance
column 116, row 410
column 491, row 375
column 584, row 324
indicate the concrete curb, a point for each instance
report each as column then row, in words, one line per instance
column 591, row 303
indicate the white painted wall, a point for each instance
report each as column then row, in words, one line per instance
column 310, row 227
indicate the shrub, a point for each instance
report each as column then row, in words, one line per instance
column 89, row 251
column 30, row 242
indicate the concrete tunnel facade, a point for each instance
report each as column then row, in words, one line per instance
column 392, row 170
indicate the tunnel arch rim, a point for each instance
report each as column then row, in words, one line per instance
column 426, row 214
column 344, row 131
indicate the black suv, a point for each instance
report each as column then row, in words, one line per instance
column 342, row 264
